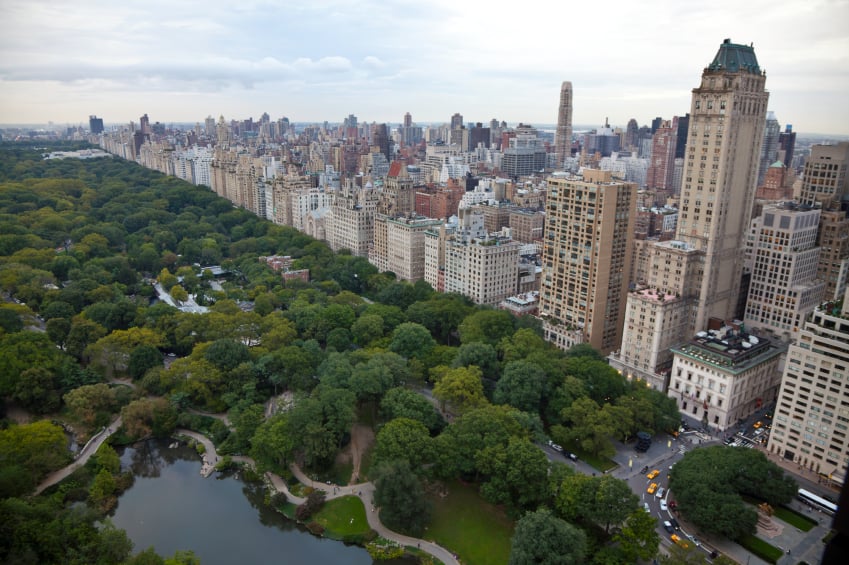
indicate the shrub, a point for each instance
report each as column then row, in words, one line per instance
column 313, row 504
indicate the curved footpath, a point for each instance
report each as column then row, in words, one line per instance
column 90, row 448
column 365, row 491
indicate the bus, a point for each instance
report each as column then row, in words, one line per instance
column 817, row 502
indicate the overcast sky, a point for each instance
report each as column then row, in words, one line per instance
column 315, row 60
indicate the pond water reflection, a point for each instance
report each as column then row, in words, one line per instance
column 222, row 519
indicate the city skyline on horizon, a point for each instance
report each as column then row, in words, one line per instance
column 333, row 58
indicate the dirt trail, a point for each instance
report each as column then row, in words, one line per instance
column 362, row 438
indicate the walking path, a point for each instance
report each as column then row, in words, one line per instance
column 210, row 458
column 364, row 491
column 90, row 448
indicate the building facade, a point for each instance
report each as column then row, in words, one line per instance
column 811, row 420
column 587, row 258
column 721, row 377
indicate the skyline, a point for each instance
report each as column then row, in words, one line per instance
column 332, row 58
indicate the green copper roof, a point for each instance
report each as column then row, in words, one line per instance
column 735, row 58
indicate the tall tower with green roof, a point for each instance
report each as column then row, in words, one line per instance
column 727, row 116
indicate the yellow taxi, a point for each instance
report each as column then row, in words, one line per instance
column 758, row 424
column 652, row 488
column 679, row 541
column 653, row 474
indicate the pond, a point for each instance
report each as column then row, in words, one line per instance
column 221, row 518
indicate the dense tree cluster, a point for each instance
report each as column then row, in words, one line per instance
column 82, row 244
column 709, row 484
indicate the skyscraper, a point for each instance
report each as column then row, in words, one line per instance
column 769, row 149
column 727, row 116
column 457, row 121
column 787, row 145
column 587, row 258
column 698, row 275
column 563, row 135
column 95, row 124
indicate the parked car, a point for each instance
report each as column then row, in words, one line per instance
column 663, row 505
column 571, row 456
column 660, row 492
column 554, row 446
column 667, row 525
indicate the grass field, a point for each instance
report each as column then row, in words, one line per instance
column 597, row 462
column 761, row 548
column 478, row 532
column 795, row 519
column 343, row 517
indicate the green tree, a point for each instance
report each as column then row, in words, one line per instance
column 142, row 358
column 480, row 354
column 38, row 391
column 522, row 385
column 708, row 484
column 516, row 474
column 487, row 326
column 461, row 387
column 401, row 402
column 403, row 438
column 107, row 458
column 102, row 489
column 411, row 340
column 590, row 426
column 541, row 538
column 179, row 293
column 473, row 432
column 58, row 330
column 148, row 416
column 638, row 538
column 22, row 351
column 38, row 448
column 366, row 329
column 91, row 404
column 401, row 498
column 227, row 354
column 273, row 443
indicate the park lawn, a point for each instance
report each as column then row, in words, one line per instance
column 761, row 548
column 795, row 519
column 343, row 517
column 598, row 462
column 462, row 522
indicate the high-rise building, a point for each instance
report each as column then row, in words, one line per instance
column 380, row 139
column 825, row 183
column 95, row 124
column 720, row 168
column 563, row 135
column 787, row 145
column 662, row 164
column 769, row 149
column 587, row 258
column 783, row 288
column 457, row 121
column 727, row 117
column 408, row 120
column 144, row 125
column 809, row 424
